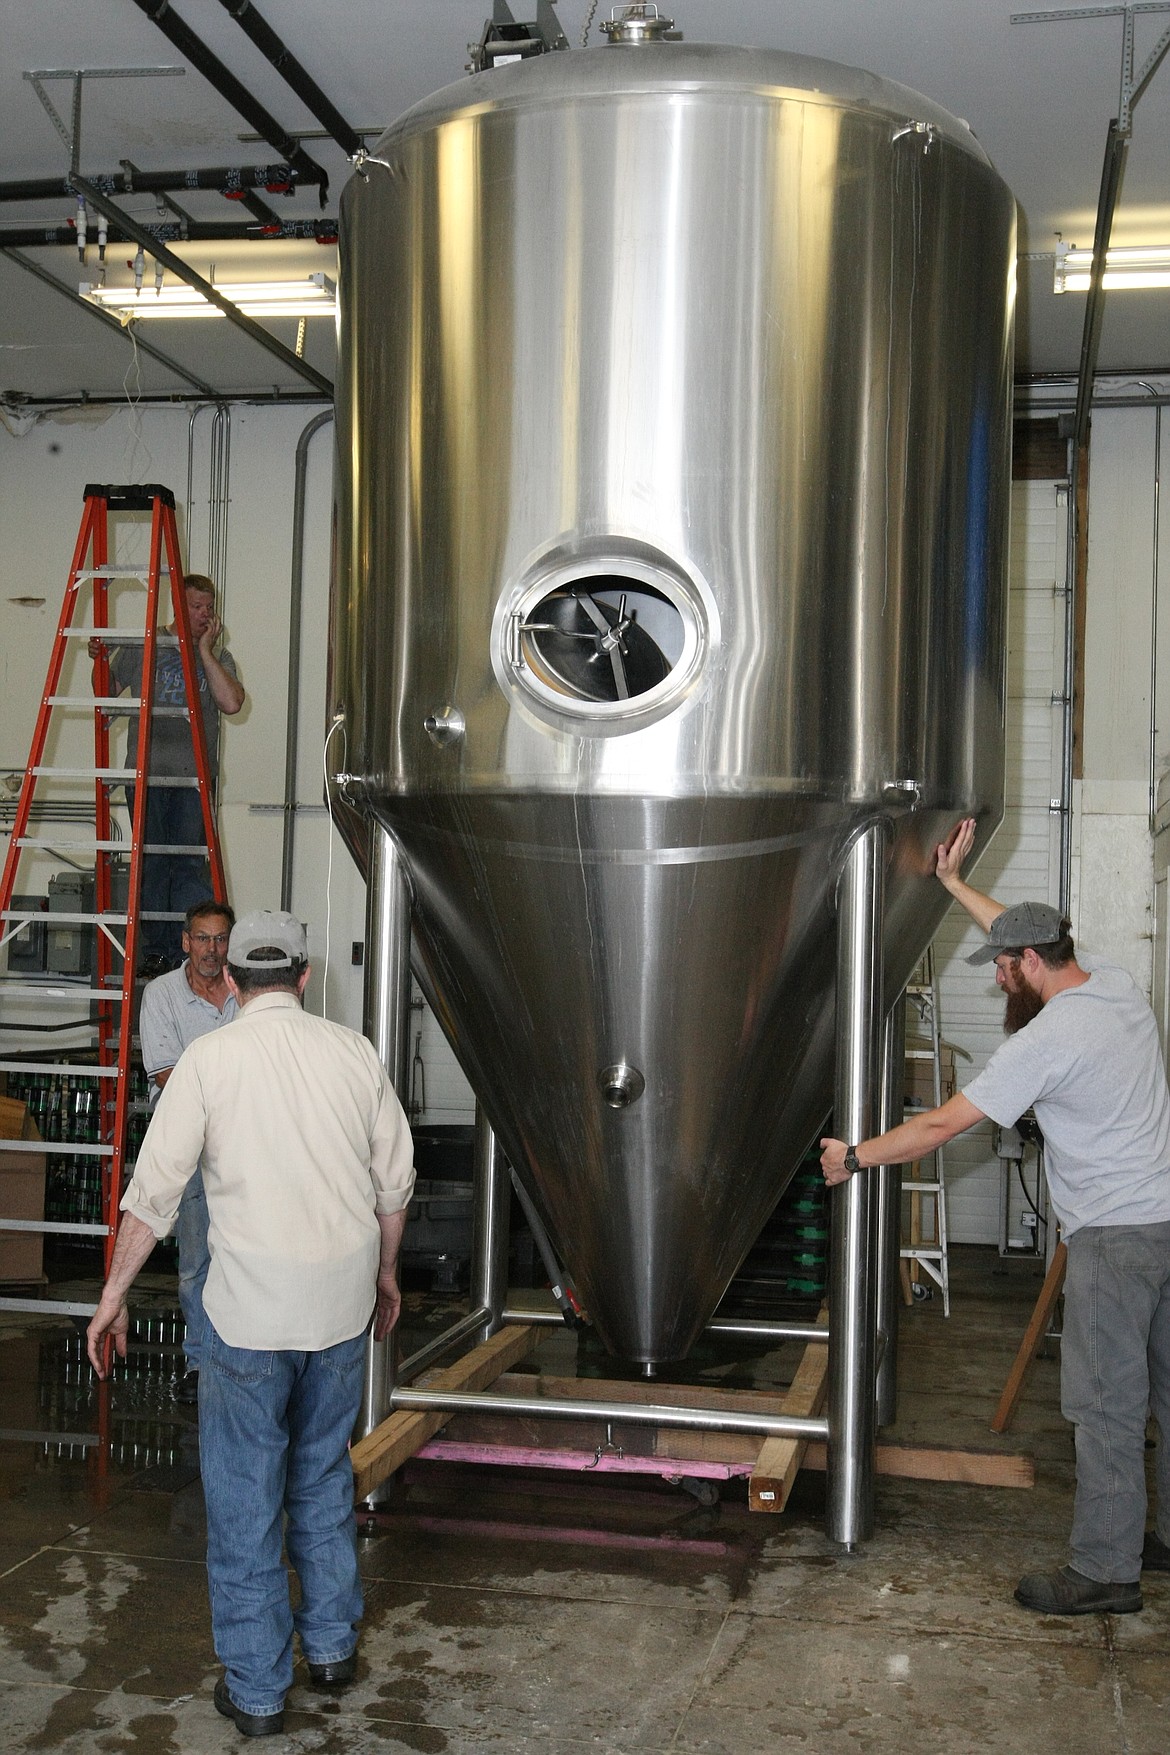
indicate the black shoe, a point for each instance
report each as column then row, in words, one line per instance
column 1069, row 1592
column 1155, row 1553
column 187, row 1389
column 334, row 1675
column 249, row 1724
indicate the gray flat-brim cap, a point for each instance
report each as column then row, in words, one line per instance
column 1027, row 923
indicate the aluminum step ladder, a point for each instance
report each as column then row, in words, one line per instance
column 116, row 929
column 928, row 1191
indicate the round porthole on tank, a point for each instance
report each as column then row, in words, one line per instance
column 606, row 643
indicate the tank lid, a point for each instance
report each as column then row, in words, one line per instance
column 640, row 23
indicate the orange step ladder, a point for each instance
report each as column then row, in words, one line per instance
column 111, row 999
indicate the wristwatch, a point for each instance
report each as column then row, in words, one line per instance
column 851, row 1162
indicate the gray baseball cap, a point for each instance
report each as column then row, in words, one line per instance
column 1028, row 923
column 266, row 929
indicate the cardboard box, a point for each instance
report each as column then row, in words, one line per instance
column 920, row 1073
column 22, row 1194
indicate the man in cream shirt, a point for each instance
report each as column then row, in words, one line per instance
column 308, row 1168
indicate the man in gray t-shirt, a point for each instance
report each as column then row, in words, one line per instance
column 1083, row 1053
column 177, row 1009
column 171, row 882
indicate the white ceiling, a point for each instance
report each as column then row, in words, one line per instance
column 1039, row 96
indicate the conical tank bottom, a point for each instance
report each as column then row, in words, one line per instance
column 642, row 994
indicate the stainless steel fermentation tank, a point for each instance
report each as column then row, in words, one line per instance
column 673, row 436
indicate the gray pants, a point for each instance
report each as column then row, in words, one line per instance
column 1115, row 1370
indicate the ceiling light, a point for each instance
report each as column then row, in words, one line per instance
column 1124, row 269
column 314, row 297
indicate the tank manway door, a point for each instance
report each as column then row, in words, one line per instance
column 602, row 649
column 593, row 649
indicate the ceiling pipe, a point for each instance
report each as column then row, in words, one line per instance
column 141, row 235
column 195, row 50
column 294, row 75
column 165, row 398
column 1111, row 171
column 31, row 237
column 226, row 180
column 147, row 347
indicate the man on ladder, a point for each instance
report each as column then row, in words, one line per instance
column 172, row 882
column 1083, row 1051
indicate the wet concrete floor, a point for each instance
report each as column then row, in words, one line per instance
column 570, row 1614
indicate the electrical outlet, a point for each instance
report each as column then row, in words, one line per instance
column 1028, row 1221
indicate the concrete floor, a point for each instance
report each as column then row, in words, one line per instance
column 580, row 1614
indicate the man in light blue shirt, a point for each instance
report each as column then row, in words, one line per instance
column 178, row 1008
column 1083, row 1053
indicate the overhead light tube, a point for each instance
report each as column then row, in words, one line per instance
column 1125, row 269
column 315, row 296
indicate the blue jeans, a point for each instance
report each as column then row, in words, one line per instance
column 171, row 882
column 1114, row 1372
column 274, row 1431
column 194, row 1261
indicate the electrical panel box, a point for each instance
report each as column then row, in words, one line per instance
column 69, row 945
column 26, row 949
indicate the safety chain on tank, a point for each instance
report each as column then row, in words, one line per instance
column 588, row 24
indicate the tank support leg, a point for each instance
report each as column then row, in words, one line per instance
column 889, row 1212
column 852, row 1295
column 386, row 1021
column 489, row 1227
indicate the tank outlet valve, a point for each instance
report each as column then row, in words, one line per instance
column 621, row 1084
column 446, row 727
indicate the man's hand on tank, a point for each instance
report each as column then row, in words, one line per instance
column 833, row 1161
column 951, row 854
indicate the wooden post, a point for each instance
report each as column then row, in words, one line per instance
column 1034, row 1334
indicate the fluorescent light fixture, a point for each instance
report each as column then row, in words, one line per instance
column 1124, row 269
column 314, row 297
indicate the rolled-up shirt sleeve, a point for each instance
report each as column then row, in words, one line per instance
column 391, row 1153
column 170, row 1152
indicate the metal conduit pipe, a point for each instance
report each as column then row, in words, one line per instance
column 226, row 179
column 143, row 236
column 195, row 50
column 294, row 75
column 630, row 1414
column 295, row 602
column 146, row 347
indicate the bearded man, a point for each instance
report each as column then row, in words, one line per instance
column 1082, row 1051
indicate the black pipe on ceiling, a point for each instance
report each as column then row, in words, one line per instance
column 174, row 231
column 229, row 180
column 195, row 50
column 294, row 75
